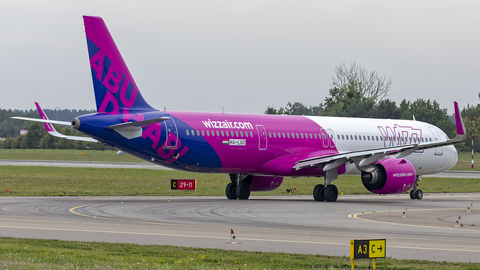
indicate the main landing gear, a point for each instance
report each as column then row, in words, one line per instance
column 239, row 187
column 327, row 192
column 322, row 193
column 415, row 193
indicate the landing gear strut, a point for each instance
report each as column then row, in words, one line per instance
column 416, row 193
column 326, row 192
column 239, row 187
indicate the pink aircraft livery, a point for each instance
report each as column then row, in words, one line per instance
column 256, row 151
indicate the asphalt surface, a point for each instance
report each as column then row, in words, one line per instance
column 293, row 224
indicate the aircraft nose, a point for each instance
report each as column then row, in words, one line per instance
column 450, row 152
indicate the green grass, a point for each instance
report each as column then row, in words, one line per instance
column 464, row 158
column 17, row 253
column 52, row 181
column 71, row 155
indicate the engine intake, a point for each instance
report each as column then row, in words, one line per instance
column 390, row 176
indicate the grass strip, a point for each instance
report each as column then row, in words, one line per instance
column 464, row 158
column 18, row 253
column 66, row 154
column 52, row 181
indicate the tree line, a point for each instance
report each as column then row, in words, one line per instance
column 356, row 92
column 11, row 127
column 37, row 137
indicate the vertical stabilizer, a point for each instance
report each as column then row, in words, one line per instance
column 115, row 89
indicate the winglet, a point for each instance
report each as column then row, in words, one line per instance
column 461, row 131
column 458, row 120
column 49, row 127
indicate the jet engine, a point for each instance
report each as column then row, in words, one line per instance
column 389, row 176
column 264, row 183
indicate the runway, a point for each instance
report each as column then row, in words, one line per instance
column 293, row 224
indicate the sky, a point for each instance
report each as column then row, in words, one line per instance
column 240, row 56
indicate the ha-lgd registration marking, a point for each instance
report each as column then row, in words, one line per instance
column 239, row 142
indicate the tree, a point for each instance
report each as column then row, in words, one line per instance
column 348, row 101
column 387, row 109
column 271, row 110
column 368, row 83
column 35, row 134
column 356, row 92
column 296, row 108
column 429, row 112
column 471, row 119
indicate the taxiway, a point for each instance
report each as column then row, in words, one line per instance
column 293, row 224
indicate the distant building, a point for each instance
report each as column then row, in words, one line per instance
column 23, row 131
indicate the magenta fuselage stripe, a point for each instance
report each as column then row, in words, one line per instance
column 257, row 154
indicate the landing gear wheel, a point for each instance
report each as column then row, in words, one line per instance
column 412, row 194
column 330, row 193
column 243, row 191
column 318, row 193
column 419, row 194
column 231, row 191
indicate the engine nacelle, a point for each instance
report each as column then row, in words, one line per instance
column 390, row 176
column 264, row 183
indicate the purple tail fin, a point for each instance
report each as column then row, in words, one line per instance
column 115, row 89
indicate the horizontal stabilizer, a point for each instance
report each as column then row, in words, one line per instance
column 63, row 123
column 139, row 123
column 131, row 130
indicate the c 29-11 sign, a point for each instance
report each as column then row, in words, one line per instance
column 185, row 184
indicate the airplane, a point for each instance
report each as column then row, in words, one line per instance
column 256, row 150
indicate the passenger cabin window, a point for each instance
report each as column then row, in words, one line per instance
column 203, row 133
column 251, row 134
column 188, row 132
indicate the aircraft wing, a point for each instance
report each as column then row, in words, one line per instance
column 364, row 158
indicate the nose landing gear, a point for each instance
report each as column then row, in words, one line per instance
column 415, row 193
